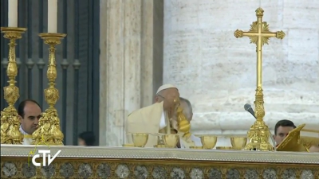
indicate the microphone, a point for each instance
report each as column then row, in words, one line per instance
column 249, row 109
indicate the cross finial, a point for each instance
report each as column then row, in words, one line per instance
column 259, row 12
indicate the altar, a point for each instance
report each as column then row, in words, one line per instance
column 122, row 162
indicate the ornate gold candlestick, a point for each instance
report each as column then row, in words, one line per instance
column 259, row 34
column 10, row 122
column 49, row 124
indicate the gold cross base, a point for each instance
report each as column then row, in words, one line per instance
column 259, row 132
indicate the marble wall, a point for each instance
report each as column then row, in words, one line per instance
column 131, row 62
column 217, row 72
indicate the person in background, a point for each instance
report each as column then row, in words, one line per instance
column 29, row 112
column 86, row 139
column 282, row 128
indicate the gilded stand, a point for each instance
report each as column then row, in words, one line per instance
column 10, row 122
column 259, row 34
column 49, row 124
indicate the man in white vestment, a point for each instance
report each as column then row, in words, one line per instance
column 156, row 118
column 29, row 113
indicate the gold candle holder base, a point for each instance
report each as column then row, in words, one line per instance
column 259, row 132
column 10, row 123
column 49, row 124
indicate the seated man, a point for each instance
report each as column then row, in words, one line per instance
column 282, row 128
column 29, row 113
column 159, row 117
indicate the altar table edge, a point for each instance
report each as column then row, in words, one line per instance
column 165, row 154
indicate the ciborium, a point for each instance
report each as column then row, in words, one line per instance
column 238, row 143
column 139, row 139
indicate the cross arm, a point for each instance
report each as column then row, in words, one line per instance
column 278, row 34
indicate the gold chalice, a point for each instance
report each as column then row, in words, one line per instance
column 139, row 139
column 208, row 142
column 170, row 140
column 238, row 143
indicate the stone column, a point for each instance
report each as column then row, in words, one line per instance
column 217, row 72
column 130, row 62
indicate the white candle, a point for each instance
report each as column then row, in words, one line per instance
column 52, row 16
column 12, row 13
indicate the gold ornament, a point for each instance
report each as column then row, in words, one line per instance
column 49, row 124
column 259, row 34
column 183, row 124
column 10, row 122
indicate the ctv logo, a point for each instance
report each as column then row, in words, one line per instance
column 44, row 155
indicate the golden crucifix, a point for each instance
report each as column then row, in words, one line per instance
column 259, row 34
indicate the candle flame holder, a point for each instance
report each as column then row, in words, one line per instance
column 10, row 122
column 49, row 124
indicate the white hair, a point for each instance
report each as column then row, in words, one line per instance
column 188, row 111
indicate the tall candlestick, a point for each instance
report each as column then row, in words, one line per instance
column 52, row 16
column 13, row 13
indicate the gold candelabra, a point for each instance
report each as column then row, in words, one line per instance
column 259, row 34
column 10, row 122
column 49, row 124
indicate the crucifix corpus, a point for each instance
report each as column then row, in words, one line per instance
column 259, row 34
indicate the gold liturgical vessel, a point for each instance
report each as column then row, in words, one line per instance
column 208, row 142
column 139, row 139
column 10, row 122
column 171, row 140
column 259, row 34
column 49, row 132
